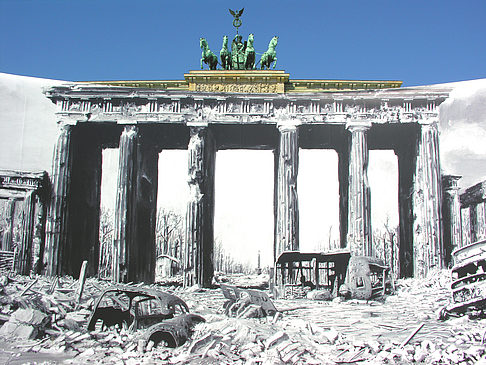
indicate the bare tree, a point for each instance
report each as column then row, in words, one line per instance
column 106, row 242
column 169, row 233
column 224, row 262
column 386, row 245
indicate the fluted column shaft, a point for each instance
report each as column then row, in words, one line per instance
column 359, row 236
column 451, row 213
column 9, row 220
column 466, row 226
column 477, row 221
column 56, row 225
column 23, row 264
column 135, row 209
column 287, row 206
column 199, row 235
column 124, row 230
column 427, row 203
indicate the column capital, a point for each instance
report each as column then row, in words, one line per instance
column 64, row 127
column 66, row 121
column 429, row 122
column 358, row 125
column 449, row 182
column 287, row 127
column 130, row 129
column 197, row 124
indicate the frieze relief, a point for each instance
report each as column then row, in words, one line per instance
column 238, row 88
column 129, row 109
column 19, row 182
column 230, row 108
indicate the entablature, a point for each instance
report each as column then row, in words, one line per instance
column 95, row 103
column 22, row 181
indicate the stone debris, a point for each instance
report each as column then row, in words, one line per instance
column 53, row 329
column 25, row 324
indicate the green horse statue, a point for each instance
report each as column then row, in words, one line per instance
column 250, row 54
column 207, row 56
column 225, row 55
column 270, row 55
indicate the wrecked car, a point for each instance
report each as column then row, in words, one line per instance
column 468, row 285
column 324, row 276
column 297, row 273
column 246, row 302
column 366, row 278
column 173, row 332
column 164, row 317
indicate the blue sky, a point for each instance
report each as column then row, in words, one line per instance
column 419, row 42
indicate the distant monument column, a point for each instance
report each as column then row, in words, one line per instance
column 428, row 248
column 56, row 225
column 359, row 236
column 451, row 214
column 199, row 242
column 286, row 204
column 135, row 211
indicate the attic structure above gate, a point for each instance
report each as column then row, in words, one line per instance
column 146, row 119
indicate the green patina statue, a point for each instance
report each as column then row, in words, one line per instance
column 249, row 54
column 236, row 14
column 207, row 56
column 270, row 55
column 238, row 53
column 225, row 55
column 242, row 55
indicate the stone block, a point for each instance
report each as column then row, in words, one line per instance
column 25, row 324
column 319, row 295
column 18, row 330
column 29, row 316
column 277, row 338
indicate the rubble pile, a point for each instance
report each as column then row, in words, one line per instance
column 44, row 320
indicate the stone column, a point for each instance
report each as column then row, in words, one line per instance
column 24, row 254
column 38, row 243
column 124, row 226
column 477, row 221
column 56, row 223
column 359, row 236
column 9, row 219
column 466, row 226
column 199, row 241
column 451, row 214
column 287, row 207
column 427, row 203
column 136, row 199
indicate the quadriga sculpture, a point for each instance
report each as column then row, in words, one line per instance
column 270, row 55
column 250, row 53
column 207, row 56
column 225, row 55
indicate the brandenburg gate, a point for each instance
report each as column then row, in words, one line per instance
column 237, row 109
